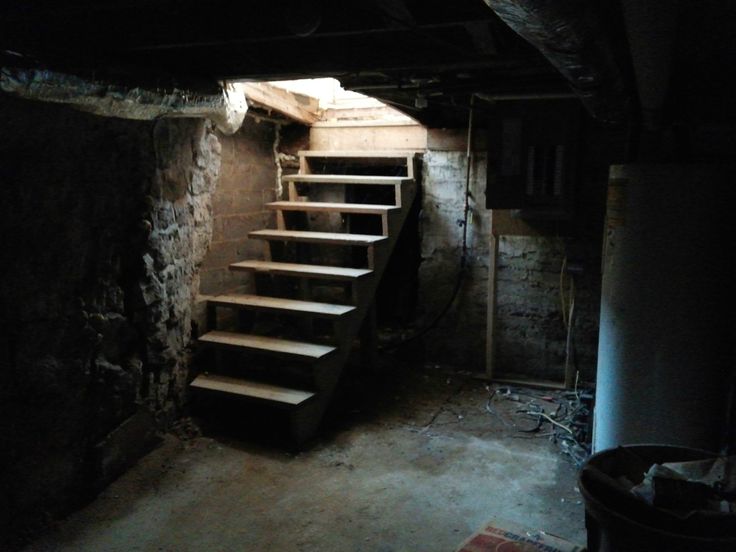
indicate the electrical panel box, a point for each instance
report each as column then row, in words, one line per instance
column 533, row 151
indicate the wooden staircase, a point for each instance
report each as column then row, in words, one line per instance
column 295, row 276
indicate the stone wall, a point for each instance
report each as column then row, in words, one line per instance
column 529, row 334
column 248, row 181
column 104, row 223
column 459, row 337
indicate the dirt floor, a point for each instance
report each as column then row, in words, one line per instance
column 413, row 461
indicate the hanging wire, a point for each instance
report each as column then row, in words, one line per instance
column 464, row 254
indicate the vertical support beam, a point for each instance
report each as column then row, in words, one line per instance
column 293, row 196
column 570, row 372
column 398, row 194
column 410, row 166
column 371, row 256
column 356, row 288
column 491, row 305
column 266, row 250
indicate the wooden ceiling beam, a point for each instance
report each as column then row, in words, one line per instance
column 297, row 107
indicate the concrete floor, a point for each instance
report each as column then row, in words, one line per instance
column 414, row 465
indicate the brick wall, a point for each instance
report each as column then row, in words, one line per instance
column 459, row 338
column 529, row 334
column 247, row 182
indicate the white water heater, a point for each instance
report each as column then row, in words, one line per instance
column 666, row 347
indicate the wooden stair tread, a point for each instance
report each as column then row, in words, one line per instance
column 266, row 344
column 252, row 389
column 317, row 237
column 357, row 154
column 303, row 270
column 365, row 208
column 346, row 179
column 279, row 304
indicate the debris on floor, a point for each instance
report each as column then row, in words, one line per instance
column 565, row 417
column 406, row 462
column 503, row 535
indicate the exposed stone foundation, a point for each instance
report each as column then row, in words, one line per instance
column 104, row 224
column 459, row 339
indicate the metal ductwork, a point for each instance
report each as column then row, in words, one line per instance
column 570, row 35
column 225, row 105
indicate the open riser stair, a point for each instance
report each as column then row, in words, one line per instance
column 315, row 289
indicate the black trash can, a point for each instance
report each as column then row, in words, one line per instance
column 619, row 521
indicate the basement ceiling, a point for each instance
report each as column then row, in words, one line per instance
column 424, row 57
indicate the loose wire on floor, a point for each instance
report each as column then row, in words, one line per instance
column 567, row 424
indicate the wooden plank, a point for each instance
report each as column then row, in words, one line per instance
column 346, row 179
column 358, row 154
column 264, row 344
column 367, row 123
column 260, row 302
column 523, row 382
column 491, row 305
column 251, row 389
column 405, row 139
column 364, row 208
column 302, row 270
column 317, row 237
column 456, row 139
column 295, row 106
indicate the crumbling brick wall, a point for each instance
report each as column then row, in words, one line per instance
column 247, row 183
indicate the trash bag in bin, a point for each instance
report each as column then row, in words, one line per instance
column 646, row 498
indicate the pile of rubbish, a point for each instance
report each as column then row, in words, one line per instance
column 565, row 417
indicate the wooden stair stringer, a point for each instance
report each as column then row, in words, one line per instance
column 305, row 408
column 306, row 419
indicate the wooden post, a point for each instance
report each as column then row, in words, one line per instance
column 491, row 312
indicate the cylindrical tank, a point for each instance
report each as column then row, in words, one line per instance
column 665, row 349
